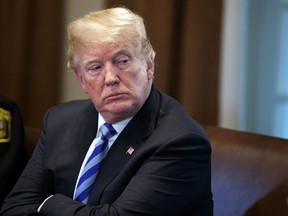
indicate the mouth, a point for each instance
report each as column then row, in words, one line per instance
column 115, row 96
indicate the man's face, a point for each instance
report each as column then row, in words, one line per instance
column 116, row 78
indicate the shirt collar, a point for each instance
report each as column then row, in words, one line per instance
column 118, row 126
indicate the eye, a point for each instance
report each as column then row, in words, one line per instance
column 94, row 69
column 123, row 61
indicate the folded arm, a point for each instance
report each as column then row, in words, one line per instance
column 173, row 181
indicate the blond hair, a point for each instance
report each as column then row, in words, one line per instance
column 110, row 25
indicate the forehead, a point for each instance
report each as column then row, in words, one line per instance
column 108, row 50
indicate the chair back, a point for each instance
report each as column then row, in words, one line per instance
column 249, row 173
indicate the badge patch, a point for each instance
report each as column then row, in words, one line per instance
column 5, row 126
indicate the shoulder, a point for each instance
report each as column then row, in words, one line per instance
column 69, row 110
column 175, row 121
column 71, row 106
column 176, row 132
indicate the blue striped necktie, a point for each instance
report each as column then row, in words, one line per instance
column 91, row 168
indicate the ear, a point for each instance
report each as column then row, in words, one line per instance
column 81, row 79
column 150, row 68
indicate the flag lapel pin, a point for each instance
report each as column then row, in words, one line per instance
column 130, row 150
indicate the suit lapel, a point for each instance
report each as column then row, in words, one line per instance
column 86, row 131
column 134, row 134
column 78, row 139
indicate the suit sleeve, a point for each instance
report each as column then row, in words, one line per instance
column 174, row 180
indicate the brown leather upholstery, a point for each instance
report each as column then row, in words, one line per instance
column 249, row 173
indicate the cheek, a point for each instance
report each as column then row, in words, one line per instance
column 135, row 81
column 139, row 75
column 142, row 78
column 93, row 86
column 139, row 84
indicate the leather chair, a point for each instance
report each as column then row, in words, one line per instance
column 13, row 155
column 249, row 173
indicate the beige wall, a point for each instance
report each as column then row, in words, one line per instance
column 70, row 88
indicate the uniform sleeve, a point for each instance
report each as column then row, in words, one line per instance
column 29, row 191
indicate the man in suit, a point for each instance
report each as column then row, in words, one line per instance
column 158, row 162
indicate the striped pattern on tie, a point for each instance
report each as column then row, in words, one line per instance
column 91, row 168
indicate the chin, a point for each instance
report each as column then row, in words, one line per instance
column 127, row 109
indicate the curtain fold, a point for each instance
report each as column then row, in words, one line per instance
column 30, row 55
column 186, row 37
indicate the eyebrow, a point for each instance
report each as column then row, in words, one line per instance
column 124, row 51
column 89, row 61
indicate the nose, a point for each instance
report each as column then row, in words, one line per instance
column 111, row 75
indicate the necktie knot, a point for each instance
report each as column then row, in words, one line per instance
column 107, row 131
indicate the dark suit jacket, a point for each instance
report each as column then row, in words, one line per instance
column 167, row 174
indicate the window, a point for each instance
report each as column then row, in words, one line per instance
column 281, row 103
column 266, row 68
